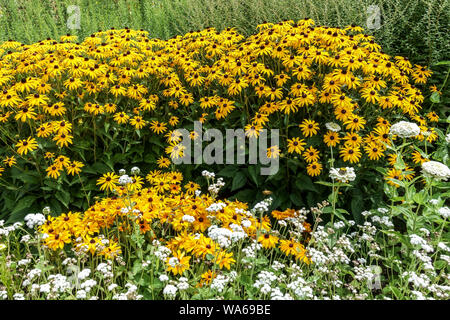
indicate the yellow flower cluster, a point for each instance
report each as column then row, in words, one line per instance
column 312, row 75
column 159, row 213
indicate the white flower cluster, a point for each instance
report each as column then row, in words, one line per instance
column 435, row 169
column 385, row 220
column 219, row 283
column 163, row 278
column 216, row 206
column 251, row 250
column 182, row 284
column 419, row 281
column 125, row 179
column 447, row 138
column 25, row 238
column 264, row 281
column 34, row 219
column 84, row 274
column 162, row 253
column 225, row 237
column 9, row 229
column 215, row 187
column 131, row 293
column 426, row 260
column 3, row 294
column 88, row 285
column 18, row 296
column 188, row 218
column 31, row 276
column 170, row 291
column 276, row 294
column 344, row 175
column 105, row 270
column 366, row 273
column 135, row 171
column 58, row 284
column 405, row 129
column 23, row 262
column 208, row 174
column 444, row 212
column 301, row 288
column 262, row 206
column 418, row 241
column 276, row 265
column 332, row 126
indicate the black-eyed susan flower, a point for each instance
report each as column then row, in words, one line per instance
column 108, row 181
column 296, row 145
column 26, row 145
column 309, row 128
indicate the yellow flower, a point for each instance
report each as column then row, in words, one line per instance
column 296, row 145
column 26, row 145
column 178, row 263
column 309, row 127
column 108, row 181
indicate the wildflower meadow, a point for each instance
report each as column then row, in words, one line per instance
column 297, row 161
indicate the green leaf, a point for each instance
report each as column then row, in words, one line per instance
column 441, row 63
column 239, row 181
column 63, row 197
column 228, row 171
column 22, row 204
column 435, row 97
column 253, row 172
column 303, row 182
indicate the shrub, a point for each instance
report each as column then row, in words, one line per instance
column 72, row 111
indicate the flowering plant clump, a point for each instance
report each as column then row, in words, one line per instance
column 333, row 92
column 163, row 243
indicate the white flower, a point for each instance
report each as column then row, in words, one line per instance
column 122, row 172
column 163, row 278
column 170, row 291
column 434, row 201
column 135, row 170
column 436, row 170
column 3, row 294
column 343, row 174
column 188, row 218
column 84, row 274
column 447, row 138
column 246, row 223
column 444, row 212
column 405, row 129
column 208, row 174
column 125, row 179
column 18, row 296
column 34, row 219
column 81, row 294
column 112, row 286
column 332, row 126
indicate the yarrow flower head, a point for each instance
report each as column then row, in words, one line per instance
column 405, row 129
column 437, row 170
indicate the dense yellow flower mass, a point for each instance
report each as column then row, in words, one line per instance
column 160, row 213
column 310, row 75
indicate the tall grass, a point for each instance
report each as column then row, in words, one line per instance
column 416, row 28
